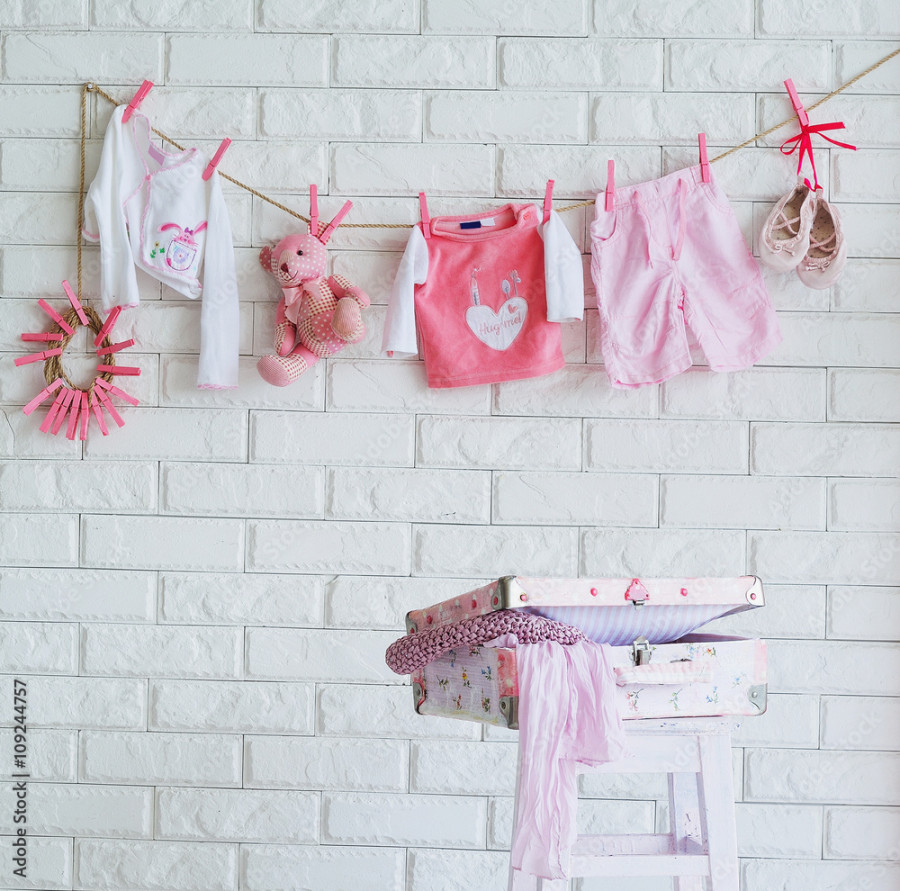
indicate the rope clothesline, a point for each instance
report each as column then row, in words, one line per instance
column 93, row 88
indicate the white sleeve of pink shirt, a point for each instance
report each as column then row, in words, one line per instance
column 399, row 337
column 563, row 272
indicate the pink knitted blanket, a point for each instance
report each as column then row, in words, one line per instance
column 415, row 650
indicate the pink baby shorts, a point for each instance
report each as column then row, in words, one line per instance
column 668, row 257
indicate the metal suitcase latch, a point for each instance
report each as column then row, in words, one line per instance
column 640, row 651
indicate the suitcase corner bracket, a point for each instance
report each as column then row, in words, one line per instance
column 509, row 708
column 418, row 696
column 755, row 592
column 757, row 694
column 509, row 593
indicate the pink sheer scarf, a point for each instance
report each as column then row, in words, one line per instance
column 567, row 716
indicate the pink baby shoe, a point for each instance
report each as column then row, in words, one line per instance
column 827, row 252
column 784, row 239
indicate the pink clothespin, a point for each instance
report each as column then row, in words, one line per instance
column 95, row 407
column 38, row 357
column 42, row 337
column 85, row 415
column 802, row 116
column 548, row 200
column 107, row 404
column 110, row 388
column 55, row 316
column 44, row 395
column 107, row 325
column 704, row 160
column 114, row 348
column 139, row 97
column 128, row 370
column 73, row 416
column 423, row 210
column 314, row 210
column 803, row 140
column 76, row 303
column 335, row 222
column 70, row 395
column 610, row 201
column 54, row 410
column 210, row 168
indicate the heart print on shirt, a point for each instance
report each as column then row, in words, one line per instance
column 497, row 330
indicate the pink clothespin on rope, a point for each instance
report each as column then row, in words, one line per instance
column 85, row 415
column 803, row 140
column 54, row 410
column 72, row 427
column 114, row 348
column 38, row 357
column 43, row 396
column 115, row 391
column 139, row 97
column 42, row 337
column 704, row 160
column 107, row 325
column 314, row 210
column 67, row 402
column 110, row 408
column 326, row 234
column 610, row 200
column 55, row 316
column 210, row 168
column 128, row 370
column 76, row 303
column 802, row 116
column 95, row 408
column 548, row 200
column 423, row 212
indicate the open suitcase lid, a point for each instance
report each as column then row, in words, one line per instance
column 613, row 611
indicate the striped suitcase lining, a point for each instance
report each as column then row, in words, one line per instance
column 620, row 626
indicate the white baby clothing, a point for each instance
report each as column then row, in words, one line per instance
column 152, row 209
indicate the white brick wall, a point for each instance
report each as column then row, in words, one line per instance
column 200, row 602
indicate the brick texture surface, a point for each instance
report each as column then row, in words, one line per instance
column 199, row 603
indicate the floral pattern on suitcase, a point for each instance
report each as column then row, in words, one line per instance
column 469, row 684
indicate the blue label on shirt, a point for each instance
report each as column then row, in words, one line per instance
column 475, row 224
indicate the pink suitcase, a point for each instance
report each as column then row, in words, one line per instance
column 665, row 668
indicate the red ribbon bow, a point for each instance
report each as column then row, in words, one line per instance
column 803, row 141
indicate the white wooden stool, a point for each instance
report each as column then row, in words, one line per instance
column 702, row 841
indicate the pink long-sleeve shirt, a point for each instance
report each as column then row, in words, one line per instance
column 485, row 292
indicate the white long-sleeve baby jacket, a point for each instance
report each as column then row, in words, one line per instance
column 152, row 209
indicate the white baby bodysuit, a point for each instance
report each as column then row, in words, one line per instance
column 152, row 209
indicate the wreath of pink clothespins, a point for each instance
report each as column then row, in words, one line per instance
column 78, row 403
column 803, row 140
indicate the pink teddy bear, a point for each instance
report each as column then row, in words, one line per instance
column 317, row 316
